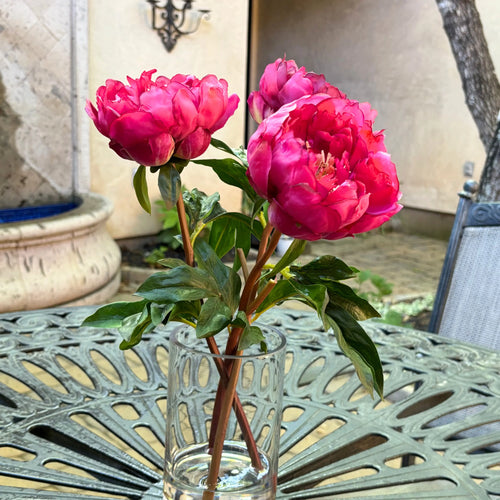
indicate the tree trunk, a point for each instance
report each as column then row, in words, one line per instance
column 463, row 27
column 489, row 185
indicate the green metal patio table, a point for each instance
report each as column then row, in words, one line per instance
column 80, row 419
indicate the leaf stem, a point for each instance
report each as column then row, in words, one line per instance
column 262, row 296
column 249, row 291
column 221, row 430
column 243, row 260
column 226, row 392
column 212, row 345
column 188, row 248
column 238, row 409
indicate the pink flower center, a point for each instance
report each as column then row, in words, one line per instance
column 330, row 172
column 325, row 165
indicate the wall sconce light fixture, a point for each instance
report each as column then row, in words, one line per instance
column 171, row 22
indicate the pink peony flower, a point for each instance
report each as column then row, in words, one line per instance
column 150, row 121
column 324, row 171
column 283, row 82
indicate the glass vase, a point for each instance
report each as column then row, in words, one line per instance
column 198, row 382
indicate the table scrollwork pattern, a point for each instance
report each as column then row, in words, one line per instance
column 79, row 417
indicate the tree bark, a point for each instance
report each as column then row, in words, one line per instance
column 489, row 185
column 480, row 83
column 463, row 27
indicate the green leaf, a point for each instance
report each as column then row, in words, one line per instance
column 393, row 318
column 214, row 316
column 183, row 283
column 136, row 334
column 201, row 208
column 381, row 284
column 186, row 312
column 344, row 296
column 171, row 262
column 327, row 270
column 233, row 229
column 241, row 320
column 169, row 182
column 112, row 315
column 326, row 267
column 363, row 276
column 141, row 188
column 133, row 327
column 217, row 143
column 170, row 219
column 251, row 335
column 293, row 252
column 257, row 205
column 314, row 295
column 231, row 172
column 158, row 312
column 222, row 237
column 358, row 347
column 283, row 290
column 227, row 281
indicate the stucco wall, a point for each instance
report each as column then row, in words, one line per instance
column 395, row 55
column 121, row 43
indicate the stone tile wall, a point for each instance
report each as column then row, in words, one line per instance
column 35, row 102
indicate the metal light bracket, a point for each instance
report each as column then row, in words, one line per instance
column 172, row 22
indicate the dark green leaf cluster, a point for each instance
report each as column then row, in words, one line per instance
column 317, row 284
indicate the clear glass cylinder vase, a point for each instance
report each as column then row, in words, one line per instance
column 248, row 450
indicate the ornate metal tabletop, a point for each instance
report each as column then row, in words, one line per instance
column 81, row 419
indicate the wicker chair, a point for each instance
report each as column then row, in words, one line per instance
column 467, row 305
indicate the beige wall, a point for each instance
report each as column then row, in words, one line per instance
column 395, row 55
column 122, row 43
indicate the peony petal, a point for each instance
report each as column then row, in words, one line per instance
column 213, row 101
column 291, row 161
column 185, row 114
column 134, row 127
column 369, row 222
column 378, row 174
column 259, row 156
column 256, row 106
column 297, row 86
column 282, row 221
column 194, row 144
column 232, row 104
column 153, row 152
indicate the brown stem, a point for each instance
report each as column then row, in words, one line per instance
column 186, row 240
column 262, row 296
column 249, row 291
column 263, row 241
column 238, row 409
column 228, row 392
column 212, row 345
column 221, row 430
column 243, row 261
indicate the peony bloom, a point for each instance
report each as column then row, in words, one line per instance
column 283, row 82
column 150, row 121
column 324, row 171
